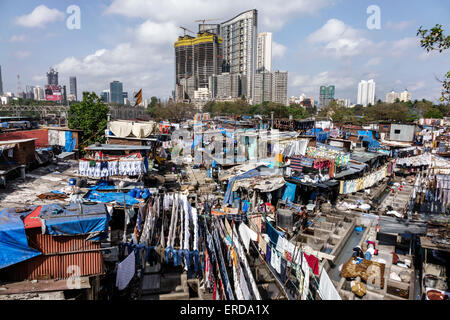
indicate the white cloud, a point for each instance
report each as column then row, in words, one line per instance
column 39, row 79
column 157, row 33
column 278, row 50
column 339, row 40
column 373, row 62
column 145, row 61
column 39, row 17
column 399, row 47
column 311, row 84
column 23, row 54
column 18, row 38
column 418, row 85
column 401, row 25
column 272, row 14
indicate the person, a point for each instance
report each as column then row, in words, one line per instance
column 304, row 219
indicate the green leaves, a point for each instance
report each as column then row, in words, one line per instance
column 90, row 115
column 434, row 39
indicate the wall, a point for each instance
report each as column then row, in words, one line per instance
column 406, row 132
column 24, row 152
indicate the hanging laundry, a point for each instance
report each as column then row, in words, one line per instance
column 247, row 234
column 125, row 271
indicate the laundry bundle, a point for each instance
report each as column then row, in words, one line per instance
column 122, row 166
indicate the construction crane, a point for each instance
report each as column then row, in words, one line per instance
column 186, row 29
column 204, row 20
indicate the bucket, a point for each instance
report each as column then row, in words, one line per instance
column 72, row 181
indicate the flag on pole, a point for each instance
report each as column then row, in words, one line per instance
column 138, row 98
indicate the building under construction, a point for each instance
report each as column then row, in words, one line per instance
column 196, row 59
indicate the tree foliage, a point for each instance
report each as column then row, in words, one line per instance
column 172, row 111
column 90, row 116
column 434, row 39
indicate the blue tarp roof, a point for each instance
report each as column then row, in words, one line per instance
column 13, row 240
column 107, row 197
column 69, row 220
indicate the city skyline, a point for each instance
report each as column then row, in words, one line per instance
column 316, row 42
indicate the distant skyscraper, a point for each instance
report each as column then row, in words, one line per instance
column 1, row 82
column 326, row 95
column 38, row 93
column 116, row 91
column 106, row 96
column 52, row 77
column 392, row 96
column 264, row 52
column 73, row 87
column 366, row 92
column 30, row 93
column 405, row 96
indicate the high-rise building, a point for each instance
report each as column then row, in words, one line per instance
column 73, row 87
column 116, row 92
column 279, row 87
column 326, row 95
column 392, row 96
column 106, row 96
column 1, row 82
column 263, row 87
column 228, row 86
column 366, row 92
column 197, row 58
column 125, row 97
column 239, row 47
column 343, row 102
column 264, row 52
column 271, row 86
column 29, row 92
column 405, row 96
column 52, row 77
column 38, row 93
column 207, row 58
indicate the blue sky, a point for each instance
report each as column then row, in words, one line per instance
column 319, row 42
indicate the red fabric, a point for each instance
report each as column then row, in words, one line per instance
column 32, row 220
column 313, row 263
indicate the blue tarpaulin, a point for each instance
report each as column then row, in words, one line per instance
column 249, row 174
column 70, row 142
column 70, row 221
column 289, row 192
column 106, row 197
column 13, row 240
column 103, row 185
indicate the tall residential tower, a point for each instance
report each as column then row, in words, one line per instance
column 264, row 52
column 366, row 92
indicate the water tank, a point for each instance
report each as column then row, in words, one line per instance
column 285, row 219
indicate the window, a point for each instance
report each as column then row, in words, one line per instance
column 396, row 131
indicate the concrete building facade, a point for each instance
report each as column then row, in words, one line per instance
column 366, row 92
column 264, row 52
